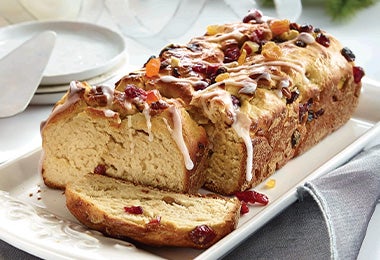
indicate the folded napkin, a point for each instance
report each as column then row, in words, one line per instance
column 330, row 219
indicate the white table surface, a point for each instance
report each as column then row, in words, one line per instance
column 20, row 134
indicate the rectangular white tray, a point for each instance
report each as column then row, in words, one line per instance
column 34, row 218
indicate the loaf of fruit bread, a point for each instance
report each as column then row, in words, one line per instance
column 249, row 96
column 134, row 135
column 265, row 91
column 160, row 218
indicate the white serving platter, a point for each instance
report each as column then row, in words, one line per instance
column 82, row 50
column 34, row 218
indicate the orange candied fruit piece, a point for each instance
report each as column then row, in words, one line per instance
column 152, row 68
column 152, row 96
column 271, row 51
column 279, row 26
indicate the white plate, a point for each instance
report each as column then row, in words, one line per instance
column 82, row 50
column 34, row 218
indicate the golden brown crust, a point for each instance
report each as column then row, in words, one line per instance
column 96, row 213
column 297, row 88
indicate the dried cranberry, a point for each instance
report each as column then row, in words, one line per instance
column 250, row 196
column 358, row 74
column 257, row 36
column 294, row 26
column 212, row 70
column 323, row 40
column 306, row 28
column 100, row 169
column 202, row 235
column 136, row 210
column 131, row 92
column 231, row 53
column 244, row 208
column 155, row 221
column 253, row 15
column 300, row 43
column 295, row 94
column 348, row 54
column 159, row 105
column 199, row 68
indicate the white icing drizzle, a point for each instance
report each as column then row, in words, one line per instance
column 241, row 122
column 109, row 113
column 242, row 126
column 192, row 81
column 178, row 137
column 146, row 113
column 108, row 91
column 218, row 37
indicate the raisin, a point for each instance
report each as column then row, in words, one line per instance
column 300, row 43
column 136, row 210
column 202, row 235
column 323, row 39
column 235, row 101
column 175, row 72
column 250, row 196
column 194, row 47
column 100, row 169
column 348, row 54
column 304, row 109
column 295, row 94
column 296, row 136
column 319, row 113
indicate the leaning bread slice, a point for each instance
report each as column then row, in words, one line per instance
column 154, row 217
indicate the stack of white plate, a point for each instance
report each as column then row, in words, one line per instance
column 83, row 51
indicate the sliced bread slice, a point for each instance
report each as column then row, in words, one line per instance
column 154, row 217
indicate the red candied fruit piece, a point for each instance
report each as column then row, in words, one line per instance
column 251, row 196
column 358, row 74
column 244, row 208
column 202, row 235
column 131, row 92
column 136, row 210
column 323, row 40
